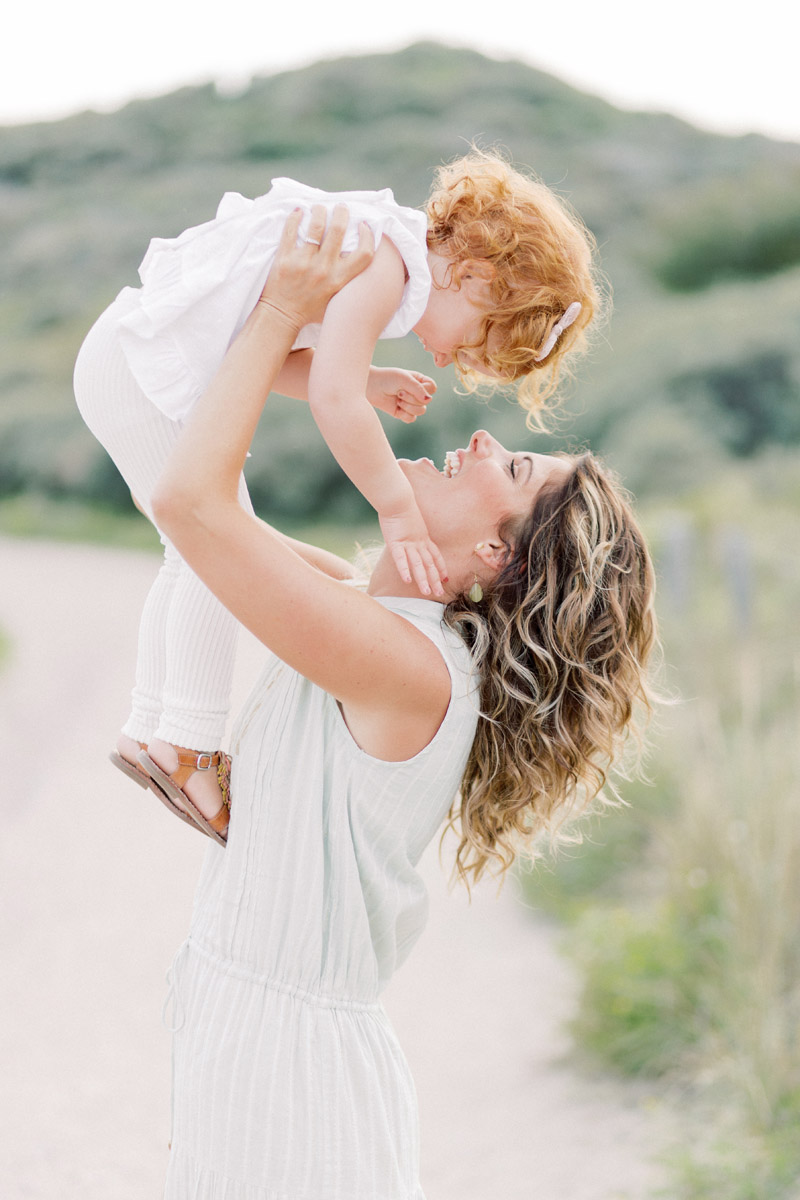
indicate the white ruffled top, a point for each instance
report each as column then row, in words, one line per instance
column 199, row 288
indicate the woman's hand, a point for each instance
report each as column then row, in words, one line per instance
column 303, row 278
column 402, row 394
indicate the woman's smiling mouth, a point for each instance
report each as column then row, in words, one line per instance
column 452, row 463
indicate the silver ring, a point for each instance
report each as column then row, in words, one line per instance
column 313, row 242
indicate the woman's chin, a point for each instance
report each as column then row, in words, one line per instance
column 415, row 464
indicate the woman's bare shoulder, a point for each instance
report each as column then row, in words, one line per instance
column 399, row 718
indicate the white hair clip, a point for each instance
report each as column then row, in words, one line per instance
column 563, row 322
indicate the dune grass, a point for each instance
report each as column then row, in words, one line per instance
column 683, row 909
column 698, row 982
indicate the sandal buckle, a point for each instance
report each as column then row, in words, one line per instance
column 204, row 762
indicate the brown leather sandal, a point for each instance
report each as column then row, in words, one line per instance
column 171, row 786
column 140, row 776
column 132, row 770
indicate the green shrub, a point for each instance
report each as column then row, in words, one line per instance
column 743, row 232
column 742, row 1165
column 642, row 1005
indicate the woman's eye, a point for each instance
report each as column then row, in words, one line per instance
column 513, row 468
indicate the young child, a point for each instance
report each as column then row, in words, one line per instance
column 496, row 277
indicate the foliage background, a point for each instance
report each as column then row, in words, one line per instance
column 699, row 233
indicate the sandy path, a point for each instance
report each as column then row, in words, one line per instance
column 97, row 889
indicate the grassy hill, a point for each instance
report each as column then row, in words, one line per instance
column 700, row 236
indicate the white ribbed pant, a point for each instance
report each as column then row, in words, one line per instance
column 187, row 639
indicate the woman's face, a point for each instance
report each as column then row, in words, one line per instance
column 479, row 489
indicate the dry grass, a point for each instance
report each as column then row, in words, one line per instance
column 734, row 839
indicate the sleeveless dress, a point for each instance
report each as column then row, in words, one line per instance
column 199, row 288
column 289, row 1083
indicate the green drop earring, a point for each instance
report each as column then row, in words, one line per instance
column 475, row 593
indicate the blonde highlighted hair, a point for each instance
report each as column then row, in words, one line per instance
column 543, row 257
column 562, row 639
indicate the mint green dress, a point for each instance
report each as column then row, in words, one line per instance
column 289, row 1083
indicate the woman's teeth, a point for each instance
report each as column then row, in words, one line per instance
column 452, row 464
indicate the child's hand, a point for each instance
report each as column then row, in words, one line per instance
column 402, row 394
column 413, row 552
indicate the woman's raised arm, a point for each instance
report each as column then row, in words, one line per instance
column 367, row 657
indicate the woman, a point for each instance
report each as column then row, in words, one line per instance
column 289, row 1083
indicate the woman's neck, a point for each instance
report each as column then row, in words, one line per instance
column 385, row 581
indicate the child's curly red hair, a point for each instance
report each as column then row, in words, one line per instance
column 543, row 257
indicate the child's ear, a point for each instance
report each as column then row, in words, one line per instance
column 476, row 268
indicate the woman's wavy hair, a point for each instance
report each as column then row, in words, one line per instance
column 480, row 207
column 561, row 638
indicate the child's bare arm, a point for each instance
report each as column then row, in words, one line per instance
column 337, row 393
column 292, row 379
column 400, row 393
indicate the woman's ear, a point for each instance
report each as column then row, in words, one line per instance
column 492, row 554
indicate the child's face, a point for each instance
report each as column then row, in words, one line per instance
column 454, row 313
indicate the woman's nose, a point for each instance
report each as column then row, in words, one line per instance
column 481, row 443
column 442, row 360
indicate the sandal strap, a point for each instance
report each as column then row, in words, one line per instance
column 190, row 761
column 219, row 823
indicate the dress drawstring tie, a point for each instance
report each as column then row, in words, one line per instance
column 173, row 1018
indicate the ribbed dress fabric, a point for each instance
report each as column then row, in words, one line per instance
column 289, row 1083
